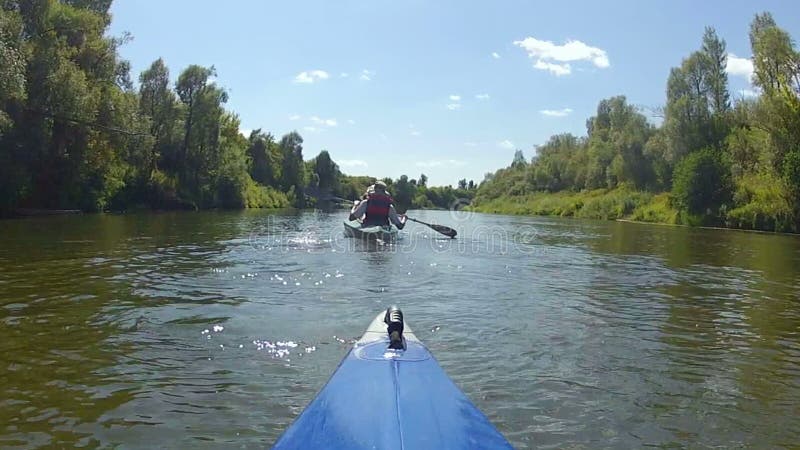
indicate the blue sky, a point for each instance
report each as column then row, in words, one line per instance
column 446, row 88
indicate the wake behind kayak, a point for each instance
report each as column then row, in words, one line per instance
column 389, row 392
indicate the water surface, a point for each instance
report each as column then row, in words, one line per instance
column 215, row 329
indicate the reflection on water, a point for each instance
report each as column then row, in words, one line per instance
column 215, row 329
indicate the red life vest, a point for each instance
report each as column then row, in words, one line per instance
column 377, row 209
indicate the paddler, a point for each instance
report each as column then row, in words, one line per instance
column 377, row 208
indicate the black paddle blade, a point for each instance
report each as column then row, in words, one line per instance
column 447, row 231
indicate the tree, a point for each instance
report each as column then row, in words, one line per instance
column 158, row 102
column 12, row 66
column 701, row 183
column 190, row 86
column 261, row 152
column 403, row 193
column 519, row 159
column 775, row 61
column 462, row 183
column 293, row 175
column 204, row 151
column 716, row 78
column 617, row 138
column 13, row 171
column 423, row 180
column 327, row 172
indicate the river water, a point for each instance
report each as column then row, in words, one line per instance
column 215, row 329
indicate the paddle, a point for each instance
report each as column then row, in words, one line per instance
column 447, row 231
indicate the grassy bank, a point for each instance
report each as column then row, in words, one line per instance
column 606, row 204
column 763, row 207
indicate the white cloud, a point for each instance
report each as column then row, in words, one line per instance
column 553, row 57
column 295, row 117
column 416, row 133
column 439, row 163
column 344, row 75
column 311, row 129
column 471, row 144
column 555, row 112
column 482, row 96
column 455, row 98
column 351, row 163
column 367, row 75
column 495, row 55
column 351, row 121
column 506, row 144
column 311, row 76
column 556, row 69
column 742, row 67
column 454, row 106
column 325, row 122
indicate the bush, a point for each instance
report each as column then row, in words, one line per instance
column 658, row 210
column 701, row 184
column 162, row 192
column 762, row 203
column 258, row 196
column 615, row 204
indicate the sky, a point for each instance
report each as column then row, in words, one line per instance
column 448, row 88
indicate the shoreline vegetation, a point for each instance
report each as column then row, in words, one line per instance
column 711, row 161
column 78, row 133
column 622, row 205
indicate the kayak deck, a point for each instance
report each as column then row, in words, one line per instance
column 380, row 398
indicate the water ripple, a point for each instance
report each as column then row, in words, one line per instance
column 216, row 329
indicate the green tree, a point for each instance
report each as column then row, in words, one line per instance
column 293, row 174
column 403, row 192
column 775, row 61
column 263, row 155
column 327, row 172
column 190, row 87
column 617, row 136
column 701, row 184
column 159, row 104
column 519, row 159
column 716, row 78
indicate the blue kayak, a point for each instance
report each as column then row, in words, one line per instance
column 389, row 392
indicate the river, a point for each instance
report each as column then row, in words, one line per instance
column 215, row 329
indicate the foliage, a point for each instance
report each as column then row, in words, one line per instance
column 409, row 194
column 659, row 209
column 75, row 132
column 701, row 183
column 710, row 162
column 764, row 204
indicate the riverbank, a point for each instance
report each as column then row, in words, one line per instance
column 603, row 204
column 625, row 204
